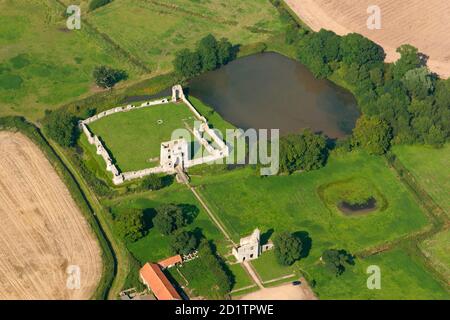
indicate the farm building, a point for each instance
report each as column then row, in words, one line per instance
column 170, row 262
column 155, row 280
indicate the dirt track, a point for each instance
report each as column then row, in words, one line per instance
column 42, row 231
column 282, row 292
column 423, row 24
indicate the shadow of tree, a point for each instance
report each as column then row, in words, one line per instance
column 266, row 236
column 149, row 214
column 306, row 241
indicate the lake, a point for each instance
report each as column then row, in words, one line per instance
column 269, row 90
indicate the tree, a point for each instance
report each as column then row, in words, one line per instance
column 419, row 82
column 130, row 225
column 183, row 242
column 357, row 49
column 306, row 151
column 106, row 77
column 288, row 248
column 224, row 51
column 168, row 218
column 435, row 137
column 207, row 49
column 61, row 126
column 152, row 182
column 409, row 60
column 319, row 50
column 372, row 134
column 336, row 260
column 187, row 63
column 94, row 4
column 216, row 267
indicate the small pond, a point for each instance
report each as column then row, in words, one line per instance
column 357, row 209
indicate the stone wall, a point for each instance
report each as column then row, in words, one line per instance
column 177, row 93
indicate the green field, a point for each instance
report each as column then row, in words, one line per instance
column 244, row 200
column 268, row 267
column 43, row 64
column 402, row 277
column 430, row 168
column 437, row 249
column 154, row 30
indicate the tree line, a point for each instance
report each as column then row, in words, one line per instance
column 403, row 101
column 208, row 55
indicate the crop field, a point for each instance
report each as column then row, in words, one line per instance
column 43, row 231
column 153, row 30
column 42, row 63
column 430, row 169
column 423, row 24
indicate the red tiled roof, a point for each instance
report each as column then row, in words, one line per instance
column 170, row 261
column 158, row 283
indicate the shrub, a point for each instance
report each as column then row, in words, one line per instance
column 130, row 225
column 153, row 182
column 183, row 242
column 61, row 126
column 336, row 260
column 95, row 4
column 169, row 218
column 106, row 77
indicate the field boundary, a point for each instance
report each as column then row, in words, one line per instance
column 121, row 52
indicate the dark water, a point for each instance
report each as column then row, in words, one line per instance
column 353, row 209
column 268, row 90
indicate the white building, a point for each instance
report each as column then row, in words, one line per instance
column 250, row 247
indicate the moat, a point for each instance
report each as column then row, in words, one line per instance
column 269, row 90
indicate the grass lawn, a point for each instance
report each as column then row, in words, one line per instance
column 134, row 138
column 43, row 64
column 241, row 277
column 430, row 168
column 154, row 30
column 268, row 268
column 402, row 277
column 437, row 249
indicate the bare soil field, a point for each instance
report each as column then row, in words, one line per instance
column 423, row 24
column 42, row 231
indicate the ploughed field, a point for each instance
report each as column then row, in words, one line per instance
column 42, row 231
column 423, row 24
